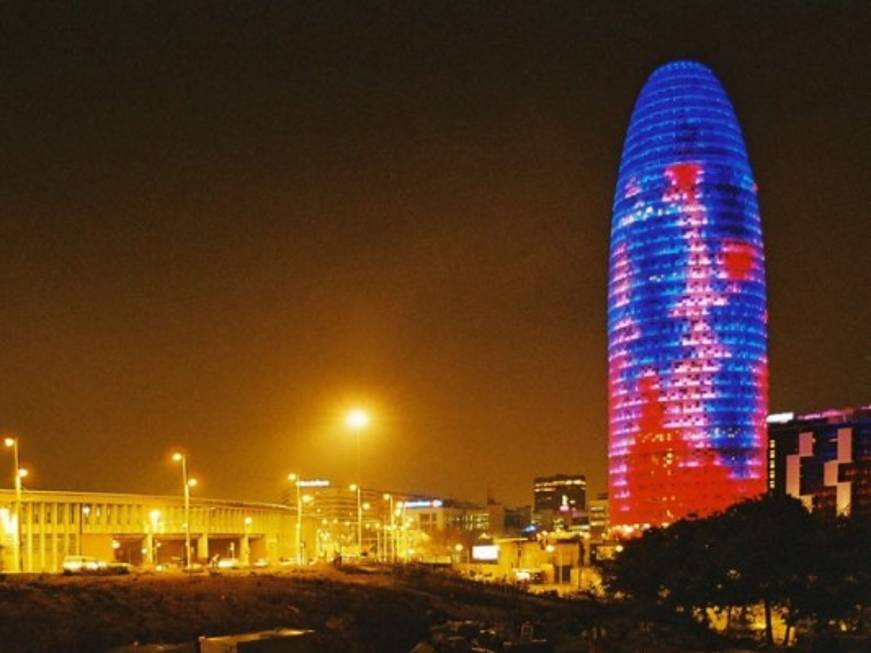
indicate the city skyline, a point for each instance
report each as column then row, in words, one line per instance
column 225, row 230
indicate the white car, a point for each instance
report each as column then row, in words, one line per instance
column 82, row 565
column 229, row 563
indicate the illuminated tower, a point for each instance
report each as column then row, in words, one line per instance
column 687, row 333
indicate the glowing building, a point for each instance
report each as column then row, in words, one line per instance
column 686, row 308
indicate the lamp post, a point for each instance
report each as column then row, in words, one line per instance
column 356, row 489
column 188, row 484
column 85, row 513
column 246, row 550
column 401, row 534
column 550, row 548
column 391, row 541
column 357, row 419
column 293, row 478
column 154, row 516
column 12, row 442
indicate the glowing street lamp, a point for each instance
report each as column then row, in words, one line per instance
column 154, row 516
column 550, row 548
column 357, row 420
column 295, row 479
column 12, row 443
column 85, row 513
column 188, row 483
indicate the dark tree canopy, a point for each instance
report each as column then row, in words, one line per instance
column 769, row 551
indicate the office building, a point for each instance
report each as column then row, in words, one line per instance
column 599, row 517
column 687, row 332
column 559, row 501
column 823, row 459
column 138, row 529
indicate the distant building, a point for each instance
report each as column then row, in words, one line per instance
column 431, row 515
column 516, row 519
column 823, row 458
column 508, row 520
column 559, row 501
column 139, row 529
column 420, row 527
column 599, row 517
column 329, row 517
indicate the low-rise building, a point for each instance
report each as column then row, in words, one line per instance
column 137, row 529
column 823, row 459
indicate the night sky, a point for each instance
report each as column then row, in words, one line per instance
column 224, row 224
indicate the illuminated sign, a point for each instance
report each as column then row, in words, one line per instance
column 314, row 483
column 424, row 503
column 780, row 418
column 485, row 552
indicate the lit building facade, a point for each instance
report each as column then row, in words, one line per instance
column 329, row 518
column 559, row 501
column 138, row 529
column 823, row 459
column 687, row 330
column 600, row 520
column 451, row 515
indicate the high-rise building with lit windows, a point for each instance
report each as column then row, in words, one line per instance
column 686, row 308
column 823, row 459
column 559, row 500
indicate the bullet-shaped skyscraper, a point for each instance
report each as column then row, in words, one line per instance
column 687, row 360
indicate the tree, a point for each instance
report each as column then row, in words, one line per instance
column 765, row 550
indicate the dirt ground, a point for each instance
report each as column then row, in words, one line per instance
column 352, row 612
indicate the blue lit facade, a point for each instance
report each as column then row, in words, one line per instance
column 687, row 334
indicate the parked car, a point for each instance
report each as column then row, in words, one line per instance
column 118, row 568
column 82, row 565
column 229, row 563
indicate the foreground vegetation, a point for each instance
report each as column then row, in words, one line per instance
column 662, row 594
column 351, row 611
column 770, row 552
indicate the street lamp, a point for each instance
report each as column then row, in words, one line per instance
column 357, row 420
column 246, row 552
column 85, row 514
column 154, row 516
column 459, row 549
column 293, row 478
column 389, row 499
column 550, row 548
column 12, row 442
column 188, row 484
column 403, row 529
column 356, row 489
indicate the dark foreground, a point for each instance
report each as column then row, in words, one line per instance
column 352, row 611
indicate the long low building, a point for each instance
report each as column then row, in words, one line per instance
column 137, row 529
